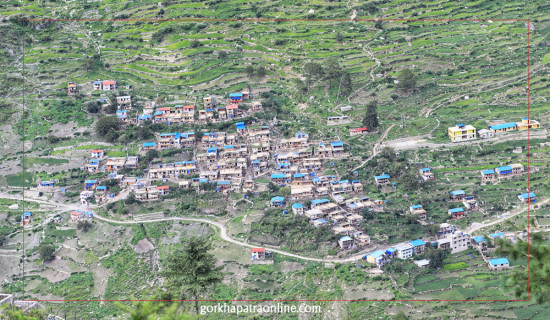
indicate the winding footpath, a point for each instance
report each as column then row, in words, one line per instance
column 223, row 229
column 375, row 148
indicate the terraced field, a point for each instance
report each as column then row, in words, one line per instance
column 475, row 68
column 471, row 63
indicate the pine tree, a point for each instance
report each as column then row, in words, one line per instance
column 371, row 117
column 407, row 79
column 192, row 269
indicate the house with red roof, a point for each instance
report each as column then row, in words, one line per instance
column 260, row 254
column 358, row 131
column 108, row 85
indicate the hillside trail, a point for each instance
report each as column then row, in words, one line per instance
column 226, row 237
column 375, row 148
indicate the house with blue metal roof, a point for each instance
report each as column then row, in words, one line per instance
column 48, row 183
column 236, row 97
column 426, row 174
column 345, row 242
column 382, row 179
column 503, row 127
column 457, row 195
column 149, row 145
column 277, row 202
column 418, row 246
column 298, row 208
column 279, row 178
column 26, row 218
column 143, row 117
column 496, row 235
column 456, row 213
column 487, row 175
column 391, row 252
column 504, row 171
column 318, row 202
column 499, row 263
column 478, row 239
column 241, row 128
column 378, row 258
column 90, row 184
column 528, row 197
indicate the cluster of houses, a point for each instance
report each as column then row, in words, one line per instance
column 449, row 238
column 211, row 111
column 469, row 202
column 99, row 162
column 463, row 132
column 233, row 160
column 343, row 217
column 79, row 215
column 502, row 172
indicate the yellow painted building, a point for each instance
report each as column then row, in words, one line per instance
column 462, row 132
column 527, row 123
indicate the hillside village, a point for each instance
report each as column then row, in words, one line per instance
column 352, row 156
column 230, row 161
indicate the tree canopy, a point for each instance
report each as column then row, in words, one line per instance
column 106, row 124
column 536, row 277
column 407, row 80
column 371, row 117
column 191, row 270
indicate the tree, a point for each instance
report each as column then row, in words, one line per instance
column 93, row 107
column 249, row 70
column 284, row 191
column 150, row 155
column 143, row 132
column 112, row 107
column 262, row 71
column 378, row 25
column 388, row 153
column 371, row 117
column 400, row 316
column 192, row 269
column 91, row 63
column 46, row 252
column 431, row 229
column 407, row 80
column 338, row 37
column 222, row 54
column 346, row 85
column 300, row 86
column 536, row 277
column 106, row 124
column 312, row 72
column 371, row 8
column 332, row 69
column 8, row 312
column 436, row 257
column 130, row 199
column 409, row 180
column 195, row 44
column 85, row 225
column 151, row 310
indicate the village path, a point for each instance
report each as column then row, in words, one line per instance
column 421, row 141
column 226, row 237
column 223, row 229
column 375, row 148
column 477, row 227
